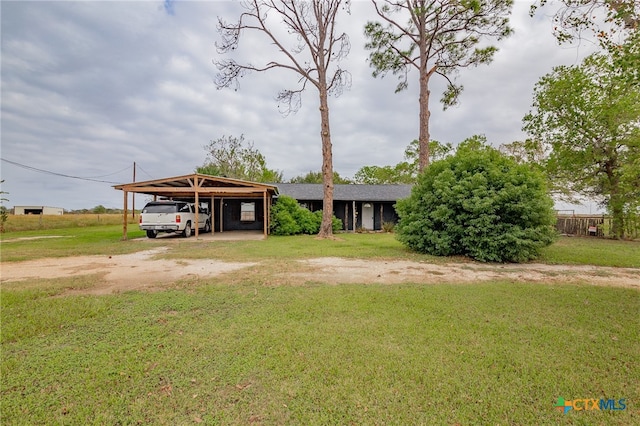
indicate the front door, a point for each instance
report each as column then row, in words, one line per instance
column 367, row 216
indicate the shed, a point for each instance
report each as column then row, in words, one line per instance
column 43, row 210
column 226, row 198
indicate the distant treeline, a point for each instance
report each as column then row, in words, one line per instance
column 100, row 209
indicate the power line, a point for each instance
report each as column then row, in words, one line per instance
column 110, row 174
column 144, row 171
column 35, row 169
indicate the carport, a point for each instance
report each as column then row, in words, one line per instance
column 199, row 188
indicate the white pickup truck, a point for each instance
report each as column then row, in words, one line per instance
column 173, row 216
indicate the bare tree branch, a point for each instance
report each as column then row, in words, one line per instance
column 314, row 56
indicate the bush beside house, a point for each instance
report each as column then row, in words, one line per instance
column 289, row 218
column 478, row 203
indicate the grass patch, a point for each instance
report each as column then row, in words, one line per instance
column 242, row 349
column 567, row 250
column 107, row 240
column 495, row 353
column 348, row 245
column 26, row 245
column 31, row 222
column 592, row 251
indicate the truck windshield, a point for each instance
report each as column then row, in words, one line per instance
column 160, row 208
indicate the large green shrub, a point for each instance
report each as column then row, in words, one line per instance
column 289, row 218
column 478, row 203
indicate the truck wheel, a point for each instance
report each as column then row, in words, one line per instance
column 152, row 234
column 187, row 230
column 207, row 227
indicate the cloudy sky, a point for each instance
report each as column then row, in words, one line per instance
column 90, row 87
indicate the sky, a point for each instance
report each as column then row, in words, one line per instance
column 90, row 87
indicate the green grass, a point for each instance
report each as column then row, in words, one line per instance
column 349, row 245
column 41, row 222
column 26, row 245
column 107, row 240
column 495, row 353
column 241, row 349
column 576, row 251
column 593, row 251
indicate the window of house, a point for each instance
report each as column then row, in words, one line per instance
column 247, row 212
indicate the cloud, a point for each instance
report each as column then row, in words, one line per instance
column 90, row 87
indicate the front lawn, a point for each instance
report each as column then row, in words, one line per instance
column 238, row 350
column 107, row 239
column 212, row 353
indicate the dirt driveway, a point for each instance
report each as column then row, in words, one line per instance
column 144, row 271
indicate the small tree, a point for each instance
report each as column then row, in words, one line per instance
column 588, row 118
column 232, row 157
column 4, row 214
column 478, row 203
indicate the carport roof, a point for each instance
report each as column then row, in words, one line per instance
column 205, row 185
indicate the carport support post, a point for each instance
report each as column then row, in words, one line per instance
column 212, row 221
column 265, row 220
column 221, row 212
column 197, row 209
column 124, row 217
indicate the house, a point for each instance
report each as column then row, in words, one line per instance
column 242, row 205
column 357, row 206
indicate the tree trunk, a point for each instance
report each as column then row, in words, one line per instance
column 425, row 114
column 616, row 207
column 424, row 123
column 616, row 200
column 326, row 227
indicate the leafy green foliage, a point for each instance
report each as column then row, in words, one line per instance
column 316, row 177
column 405, row 172
column 480, row 204
column 4, row 214
column 289, row 218
column 588, row 117
column 383, row 175
column 231, row 157
column 607, row 20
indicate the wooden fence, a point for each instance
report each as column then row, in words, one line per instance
column 581, row 225
column 596, row 225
